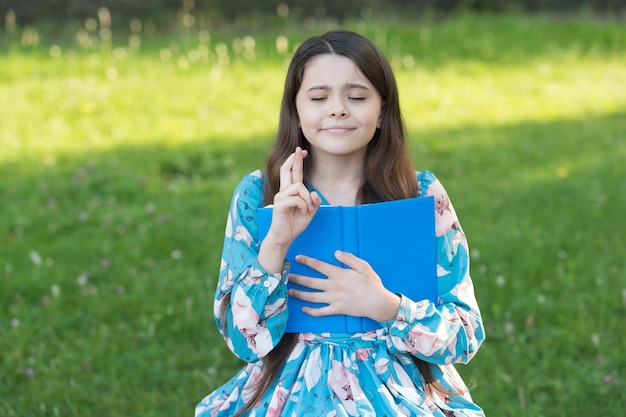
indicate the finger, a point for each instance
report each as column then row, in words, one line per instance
column 354, row 262
column 316, row 297
column 297, row 168
column 320, row 266
column 304, row 193
column 316, row 199
column 284, row 205
column 297, row 191
column 285, row 172
column 320, row 311
column 309, row 282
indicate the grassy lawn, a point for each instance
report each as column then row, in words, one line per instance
column 118, row 159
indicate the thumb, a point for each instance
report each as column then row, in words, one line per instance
column 316, row 200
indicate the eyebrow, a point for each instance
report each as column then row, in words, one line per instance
column 348, row 86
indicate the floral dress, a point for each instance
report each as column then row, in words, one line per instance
column 331, row 374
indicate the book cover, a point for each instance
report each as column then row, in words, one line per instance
column 397, row 238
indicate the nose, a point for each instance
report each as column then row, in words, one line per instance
column 338, row 109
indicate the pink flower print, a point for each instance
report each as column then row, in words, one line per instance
column 308, row 337
column 229, row 399
column 445, row 217
column 277, row 402
column 217, row 403
column 253, row 276
column 338, row 381
column 243, row 235
column 459, row 238
column 369, row 335
column 381, row 366
column 442, row 204
column 247, row 320
column 421, row 339
column 362, row 354
column 345, row 386
column 469, row 322
column 275, row 308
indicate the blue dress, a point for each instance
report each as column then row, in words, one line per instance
column 361, row 374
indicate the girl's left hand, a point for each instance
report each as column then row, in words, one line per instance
column 355, row 291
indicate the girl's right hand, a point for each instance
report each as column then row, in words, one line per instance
column 294, row 207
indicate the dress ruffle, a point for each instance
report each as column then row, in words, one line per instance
column 348, row 374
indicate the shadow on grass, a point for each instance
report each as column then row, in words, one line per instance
column 541, row 204
column 110, row 260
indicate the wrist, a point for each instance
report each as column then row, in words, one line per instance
column 389, row 303
column 272, row 256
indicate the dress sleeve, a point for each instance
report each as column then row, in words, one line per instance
column 250, row 305
column 450, row 330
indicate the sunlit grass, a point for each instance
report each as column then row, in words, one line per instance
column 119, row 153
column 83, row 102
column 480, row 94
column 200, row 87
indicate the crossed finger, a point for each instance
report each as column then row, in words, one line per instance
column 292, row 170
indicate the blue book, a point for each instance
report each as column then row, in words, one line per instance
column 397, row 238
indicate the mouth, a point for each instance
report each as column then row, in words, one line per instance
column 337, row 129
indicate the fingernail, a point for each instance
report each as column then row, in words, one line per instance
column 338, row 253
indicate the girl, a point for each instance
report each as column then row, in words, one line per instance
column 340, row 141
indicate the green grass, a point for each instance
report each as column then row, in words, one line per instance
column 117, row 166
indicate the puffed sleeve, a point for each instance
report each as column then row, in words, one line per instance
column 450, row 330
column 250, row 305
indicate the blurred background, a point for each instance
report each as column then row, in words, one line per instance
column 223, row 11
column 125, row 126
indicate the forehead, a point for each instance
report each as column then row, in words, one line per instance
column 332, row 69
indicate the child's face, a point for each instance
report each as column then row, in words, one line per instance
column 338, row 108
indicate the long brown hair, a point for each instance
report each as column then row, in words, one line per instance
column 388, row 170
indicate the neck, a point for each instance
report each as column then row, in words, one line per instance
column 338, row 180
